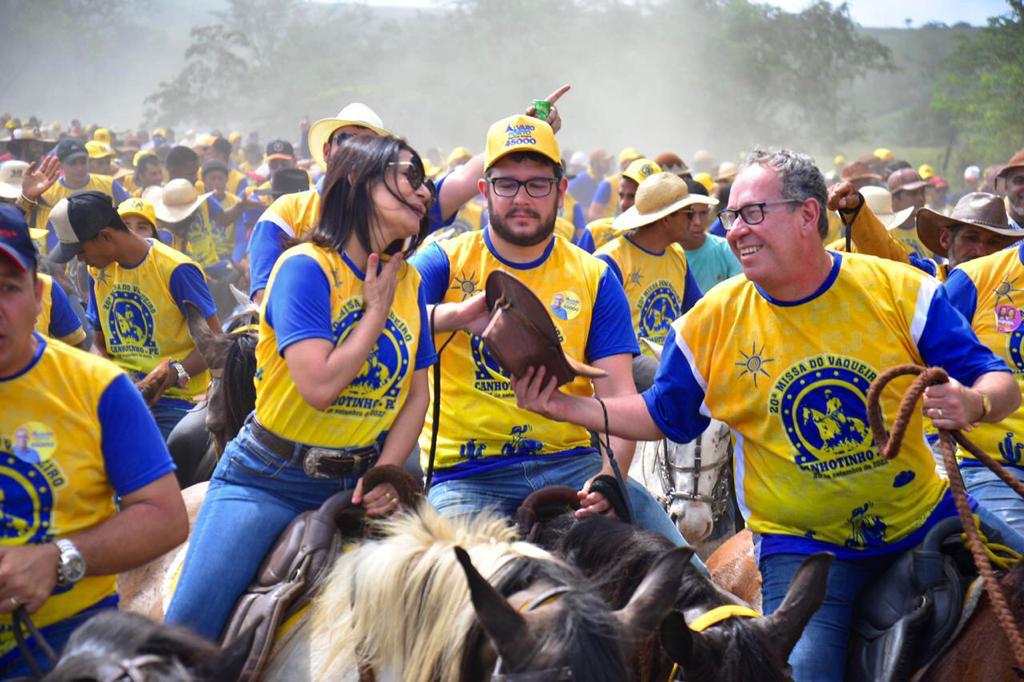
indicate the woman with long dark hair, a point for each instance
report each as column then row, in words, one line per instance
column 340, row 381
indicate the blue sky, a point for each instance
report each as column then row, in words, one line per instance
column 891, row 13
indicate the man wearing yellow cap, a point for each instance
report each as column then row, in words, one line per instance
column 101, row 157
column 647, row 258
column 491, row 454
column 294, row 215
column 601, row 230
column 603, row 204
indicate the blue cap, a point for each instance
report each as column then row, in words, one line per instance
column 15, row 242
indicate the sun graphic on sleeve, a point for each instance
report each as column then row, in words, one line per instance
column 467, row 285
column 1007, row 290
column 754, row 363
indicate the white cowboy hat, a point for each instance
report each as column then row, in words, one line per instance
column 355, row 114
column 175, row 201
column 880, row 202
column 659, row 195
column 11, row 175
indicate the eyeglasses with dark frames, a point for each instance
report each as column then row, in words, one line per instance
column 538, row 188
column 413, row 172
column 752, row 214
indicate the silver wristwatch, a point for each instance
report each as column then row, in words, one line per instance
column 183, row 376
column 71, row 567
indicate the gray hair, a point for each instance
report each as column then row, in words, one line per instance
column 801, row 179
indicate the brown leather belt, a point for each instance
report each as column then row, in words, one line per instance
column 318, row 462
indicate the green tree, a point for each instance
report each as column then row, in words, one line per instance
column 982, row 86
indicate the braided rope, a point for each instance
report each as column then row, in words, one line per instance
column 889, row 446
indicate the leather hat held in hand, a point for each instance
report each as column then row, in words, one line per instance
column 521, row 333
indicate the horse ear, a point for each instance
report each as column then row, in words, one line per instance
column 683, row 645
column 209, row 344
column 655, row 596
column 805, row 594
column 230, row 664
column 505, row 626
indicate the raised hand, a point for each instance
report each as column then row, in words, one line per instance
column 40, row 177
column 843, row 196
column 554, row 119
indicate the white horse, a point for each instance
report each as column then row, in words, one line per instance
column 690, row 480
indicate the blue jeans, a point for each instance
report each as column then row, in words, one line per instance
column 820, row 655
column 504, row 489
column 13, row 665
column 167, row 415
column 252, row 498
column 994, row 495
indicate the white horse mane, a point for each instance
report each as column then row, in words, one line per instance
column 399, row 605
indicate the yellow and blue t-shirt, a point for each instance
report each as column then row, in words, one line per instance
column 908, row 239
column 607, row 194
column 659, row 286
column 790, row 378
column 200, row 241
column 317, row 293
column 481, row 426
column 141, row 311
column 74, row 435
column 57, row 319
column 601, row 232
column 294, row 216
column 989, row 292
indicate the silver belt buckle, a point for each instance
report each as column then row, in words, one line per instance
column 311, row 462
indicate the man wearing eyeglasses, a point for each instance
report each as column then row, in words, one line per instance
column 785, row 356
column 491, row 454
column 294, row 215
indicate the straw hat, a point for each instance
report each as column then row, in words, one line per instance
column 660, row 195
column 175, row 201
column 355, row 114
column 979, row 209
column 859, row 170
column 727, row 172
column 880, row 202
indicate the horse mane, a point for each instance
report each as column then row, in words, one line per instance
column 234, row 396
column 400, row 606
column 411, row 568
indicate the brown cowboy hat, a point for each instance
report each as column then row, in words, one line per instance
column 979, row 209
column 521, row 333
column 1015, row 162
column 859, row 170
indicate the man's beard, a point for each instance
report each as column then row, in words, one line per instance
column 503, row 230
column 1016, row 202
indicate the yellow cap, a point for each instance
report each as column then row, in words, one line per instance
column 10, row 125
column 139, row 207
column 458, row 154
column 629, row 154
column 839, row 160
column 883, row 154
column 925, row 171
column 56, row 125
column 640, row 170
column 706, row 180
column 234, row 137
column 431, row 170
column 101, row 135
column 161, row 132
column 98, row 150
column 35, row 234
column 520, row 133
column 139, row 154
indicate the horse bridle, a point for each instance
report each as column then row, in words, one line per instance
column 550, row 674
column 716, row 502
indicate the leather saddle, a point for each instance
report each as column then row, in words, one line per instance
column 292, row 571
column 911, row 612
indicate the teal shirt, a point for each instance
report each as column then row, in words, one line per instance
column 712, row 263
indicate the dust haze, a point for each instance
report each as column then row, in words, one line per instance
column 663, row 76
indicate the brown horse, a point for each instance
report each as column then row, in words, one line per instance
column 963, row 660
column 733, row 568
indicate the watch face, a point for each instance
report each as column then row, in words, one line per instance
column 75, row 569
